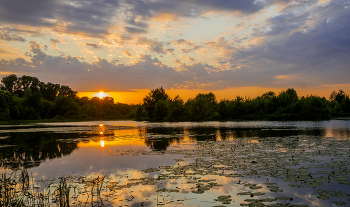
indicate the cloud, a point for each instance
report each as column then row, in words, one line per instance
column 247, row 6
column 185, row 46
column 169, row 50
column 317, row 54
column 178, row 61
column 89, row 17
column 190, row 59
column 147, row 72
column 35, row 48
column 53, row 43
column 135, row 23
column 152, row 45
column 240, row 25
column 126, row 53
column 94, row 18
column 135, row 30
column 93, row 45
column 14, row 37
column 221, row 46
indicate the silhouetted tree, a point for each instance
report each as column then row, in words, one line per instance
column 49, row 91
column 287, row 97
column 67, row 91
column 150, row 101
column 9, row 83
column 203, row 107
column 176, row 109
column 160, row 111
column 223, row 109
column 139, row 113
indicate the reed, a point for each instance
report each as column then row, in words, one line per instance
column 19, row 189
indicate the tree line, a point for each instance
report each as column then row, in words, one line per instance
column 27, row 98
column 158, row 106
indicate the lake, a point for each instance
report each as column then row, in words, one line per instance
column 128, row 163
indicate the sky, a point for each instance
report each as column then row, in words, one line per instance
column 228, row 47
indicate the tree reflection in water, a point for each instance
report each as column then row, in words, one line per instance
column 31, row 149
column 159, row 139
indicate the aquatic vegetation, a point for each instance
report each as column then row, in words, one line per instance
column 225, row 199
column 252, row 171
column 338, row 202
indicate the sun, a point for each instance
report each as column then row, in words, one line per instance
column 101, row 94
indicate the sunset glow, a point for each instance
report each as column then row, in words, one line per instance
column 101, row 95
column 187, row 47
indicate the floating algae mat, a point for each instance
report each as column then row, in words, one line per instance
column 185, row 166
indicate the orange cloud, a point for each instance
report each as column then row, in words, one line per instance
column 126, row 53
column 285, row 77
column 164, row 17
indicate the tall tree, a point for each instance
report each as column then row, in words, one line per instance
column 9, row 83
column 49, row 91
column 203, row 107
column 150, row 101
column 67, row 92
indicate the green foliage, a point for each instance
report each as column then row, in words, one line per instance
column 176, row 109
column 345, row 104
column 26, row 98
column 313, row 108
column 153, row 97
column 285, row 106
column 160, row 111
column 337, row 96
column 139, row 113
column 9, row 83
column 222, row 109
column 66, row 107
column 287, row 97
column 5, row 103
column 236, row 108
column 203, row 107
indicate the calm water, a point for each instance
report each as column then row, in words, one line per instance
column 187, row 164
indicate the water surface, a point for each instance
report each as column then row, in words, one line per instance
column 187, row 163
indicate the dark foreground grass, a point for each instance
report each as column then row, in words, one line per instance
column 19, row 189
